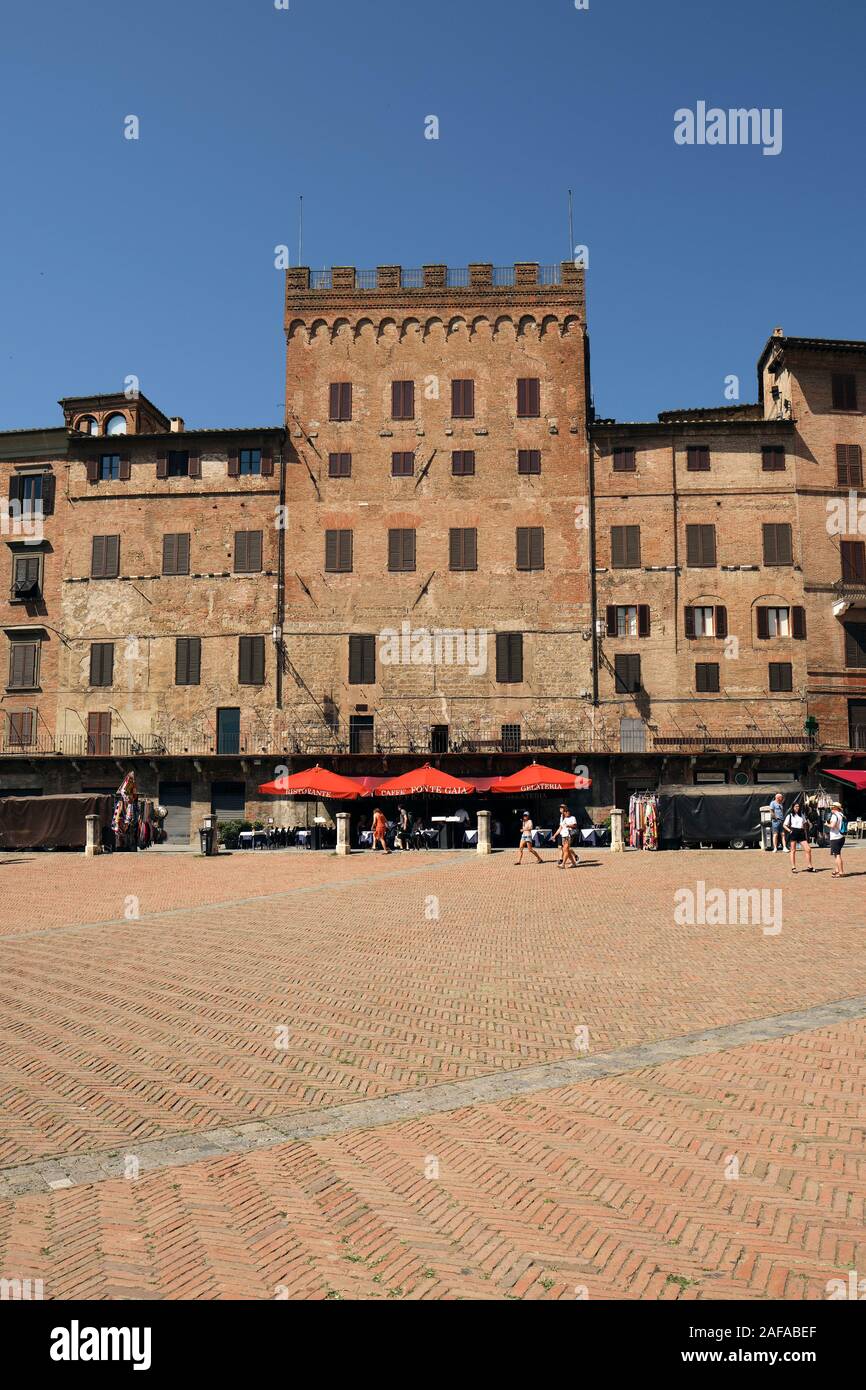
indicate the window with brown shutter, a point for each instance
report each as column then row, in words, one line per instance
column 643, row 620
column 101, row 663
column 99, row 734
column 773, row 458
column 528, row 397
column 362, row 659
column 194, row 465
column 187, row 661
column 781, row 676
column 124, row 472
column 162, row 465
column 234, row 464
column 402, row 400
column 105, row 557
column 509, row 658
column 267, row 463
column 251, row 661
column 625, row 547
column 462, row 548
column 463, row 463
column 463, row 400
column 700, row 547
column 21, row 728
column 339, row 465
column 248, row 552
column 530, row 547
column 627, row 673
column 853, row 557
column 697, row 459
column 855, row 645
column 402, row 464
column 528, row 461
column 340, row 405
column 721, row 621
column 624, row 461
column 401, row 550
column 844, row 387
column 610, row 620
column 338, row 552
column 849, row 465
column 778, row 545
column 92, row 465
column 762, row 623
column 798, row 623
column 23, row 665
column 175, row 553
column 707, row 677
column 689, row 614
column 26, row 578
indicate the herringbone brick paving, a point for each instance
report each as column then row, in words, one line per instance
column 390, row 974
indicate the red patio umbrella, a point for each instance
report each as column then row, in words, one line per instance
column 424, row 779
column 314, row 781
column 538, row 778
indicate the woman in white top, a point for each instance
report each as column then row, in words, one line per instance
column 526, row 830
column 567, row 832
column 798, row 834
column 837, row 839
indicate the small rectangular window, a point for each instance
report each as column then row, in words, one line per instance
column 338, row 552
column 402, row 464
column 707, row 677
column 528, row 461
column 26, row 578
column 463, row 463
column 175, row 553
column 528, row 397
column 401, row 550
column 339, row 465
column 248, row 552
column 462, row 548
column 340, row 400
column 781, row 676
column 109, row 468
column 178, row 464
column 773, row 458
column 700, row 547
column 627, row 673
column 463, row 400
column 402, row 400
column 778, row 546
column 624, row 461
column 101, row 663
column 509, row 658
column 530, row 547
column 844, row 391
column 187, row 661
column 105, row 557
column 21, row 728
column 23, row 665
column 849, row 465
column 249, row 462
column 697, row 459
column 362, row 659
column 625, row 547
column 251, row 661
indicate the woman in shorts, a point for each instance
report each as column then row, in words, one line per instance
column 526, row 829
column 796, row 825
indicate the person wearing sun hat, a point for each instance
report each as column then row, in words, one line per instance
column 837, row 826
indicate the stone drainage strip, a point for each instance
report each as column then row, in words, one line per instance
column 175, row 1151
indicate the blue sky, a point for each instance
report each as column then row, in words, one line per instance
column 156, row 256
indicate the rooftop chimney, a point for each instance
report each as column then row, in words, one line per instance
column 778, row 333
column 176, row 424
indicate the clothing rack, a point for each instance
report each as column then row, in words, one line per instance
column 643, row 820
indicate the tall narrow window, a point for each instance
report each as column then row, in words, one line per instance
column 855, row 645
column 21, row 728
column 853, row 557
column 528, row 397
column 105, row 557
column 625, row 547
column 99, row 733
column 26, row 578
column 844, row 387
column 187, row 661
column 849, row 465
column 509, row 658
column 463, row 548
column 251, row 660
column 627, row 673
column 401, row 550
column 101, row 663
column 700, row 547
column 778, row 545
column 530, row 547
column 403, row 400
column 463, row 400
column 362, row 659
column 23, row 665
column 338, row 552
column 340, row 402
column 175, row 553
column 248, row 552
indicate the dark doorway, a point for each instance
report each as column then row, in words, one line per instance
column 176, row 798
column 228, row 800
column 228, row 730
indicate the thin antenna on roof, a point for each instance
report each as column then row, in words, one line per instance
column 570, row 225
column 300, row 229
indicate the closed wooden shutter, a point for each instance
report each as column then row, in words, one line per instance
column 175, row 553
column 643, row 620
column 625, row 547
column 627, row 674
column 624, row 461
column 781, row 676
column 463, row 463
column 689, row 621
column 23, row 662
column 402, row 464
column 251, row 661
column 773, row 458
column 721, row 621
column 267, row 463
column 855, row 645
column 853, row 556
column 194, row 466
column 21, row 726
column 462, row 548
column 105, row 557
column 528, row 461
column 401, row 549
column 463, row 399
column 99, row 734
column 707, row 677
column 762, row 620
column 798, row 623
column 341, row 400
column 402, row 400
column 339, row 465
column 778, row 548
column 162, row 466
column 610, row 620
column 697, row 459
column 101, row 663
column 528, row 396
column 48, row 484
column 849, row 465
column 125, row 469
column 530, row 547
column 844, row 391
column 509, row 658
column 92, row 466
column 15, row 487
column 234, row 466
column 248, row 552
column 362, row 659
column 187, row 661
column 338, row 551
column 700, row 546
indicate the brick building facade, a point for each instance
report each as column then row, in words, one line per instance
column 442, row 553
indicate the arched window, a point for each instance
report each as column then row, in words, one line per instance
column 86, row 425
column 115, row 424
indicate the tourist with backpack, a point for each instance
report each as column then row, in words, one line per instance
column 838, row 829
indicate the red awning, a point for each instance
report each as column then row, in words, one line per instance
column 314, row 781
column 538, row 778
column 424, row 779
column 851, row 776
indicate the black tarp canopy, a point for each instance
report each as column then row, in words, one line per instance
column 50, row 822
column 714, row 814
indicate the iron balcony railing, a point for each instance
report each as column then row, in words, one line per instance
column 456, row 277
